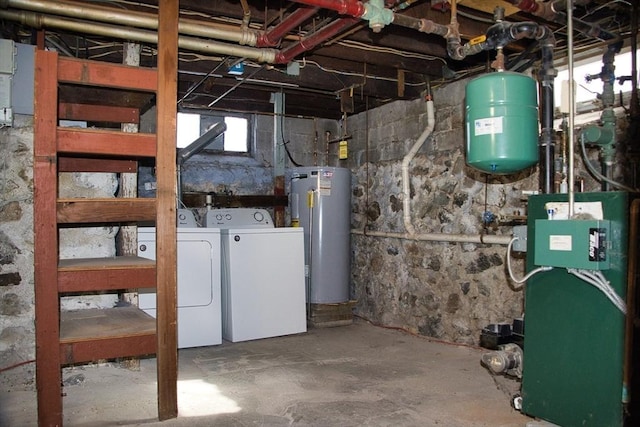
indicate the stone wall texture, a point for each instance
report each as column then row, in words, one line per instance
column 444, row 290
column 16, row 243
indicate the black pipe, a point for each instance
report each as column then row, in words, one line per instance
column 503, row 33
column 547, row 75
column 407, row 21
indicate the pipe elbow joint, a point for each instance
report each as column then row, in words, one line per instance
column 455, row 50
column 377, row 15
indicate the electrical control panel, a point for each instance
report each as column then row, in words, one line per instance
column 572, row 243
column 7, row 70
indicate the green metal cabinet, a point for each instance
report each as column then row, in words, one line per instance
column 574, row 336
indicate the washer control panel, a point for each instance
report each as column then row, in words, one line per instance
column 238, row 218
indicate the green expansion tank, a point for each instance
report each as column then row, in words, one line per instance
column 502, row 122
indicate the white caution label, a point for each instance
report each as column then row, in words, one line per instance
column 488, row 126
column 560, row 243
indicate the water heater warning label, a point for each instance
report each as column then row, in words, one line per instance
column 325, row 187
column 488, row 126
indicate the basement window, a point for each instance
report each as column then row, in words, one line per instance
column 234, row 140
column 588, row 91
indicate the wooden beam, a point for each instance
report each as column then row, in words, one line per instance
column 104, row 74
column 105, row 142
column 115, row 273
column 95, row 334
column 85, row 211
column 166, row 234
column 98, row 113
column 48, row 374
column 198, row 200
column 81, row 164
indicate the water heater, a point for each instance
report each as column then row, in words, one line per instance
column 320, row 203
column 502, row 122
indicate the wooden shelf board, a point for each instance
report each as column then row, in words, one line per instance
column 102, row 210
column 107, row 323
column 104, row 74
column 119, row 263
column 80, row 164
column 105, row 274
column 105, row 142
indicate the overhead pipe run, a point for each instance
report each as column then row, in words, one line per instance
column 554, row 11
column 309, row 42
column 133, row 18
column 37, row 20
column 272, row 37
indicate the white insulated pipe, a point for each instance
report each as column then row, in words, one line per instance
column 406, row 161
column 134, row 18
column 38, row 20
column 489, row 239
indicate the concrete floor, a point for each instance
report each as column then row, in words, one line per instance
column 357, row 375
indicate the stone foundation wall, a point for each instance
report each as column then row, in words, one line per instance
column 17, row 343
column 438, row 289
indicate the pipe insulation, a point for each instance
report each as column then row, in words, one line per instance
column 134, row 19
column 406, row 161
column 38, row 20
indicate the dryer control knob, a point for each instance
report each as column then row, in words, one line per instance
column 219, row 217
column 258, row 216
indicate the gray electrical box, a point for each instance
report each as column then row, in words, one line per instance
column 520, row 234
column 7, row 70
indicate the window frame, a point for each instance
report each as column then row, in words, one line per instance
column 209, row 150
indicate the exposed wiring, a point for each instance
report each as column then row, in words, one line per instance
column 594, row 10
column 476, row 17
column 17, row 365
column 405, row 54
column 285, row 143
column 406, row 331
column 528, row 276
column 344, row 73
column 597, row 174
column 597, row 279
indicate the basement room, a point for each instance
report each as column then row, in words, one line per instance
column 319, row 213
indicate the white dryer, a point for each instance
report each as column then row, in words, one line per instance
column 199, row 304
column 263, row 282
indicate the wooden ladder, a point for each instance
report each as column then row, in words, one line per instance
column 81, row 336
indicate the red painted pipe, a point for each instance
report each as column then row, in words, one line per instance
column 326, row 32
column 353, row 8
column 273, row 36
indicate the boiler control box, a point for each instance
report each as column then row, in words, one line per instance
column 572, row 243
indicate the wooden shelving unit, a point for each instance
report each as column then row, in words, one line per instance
column 87, row 335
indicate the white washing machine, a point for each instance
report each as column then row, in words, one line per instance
column 263, row 282
column 199, row 304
